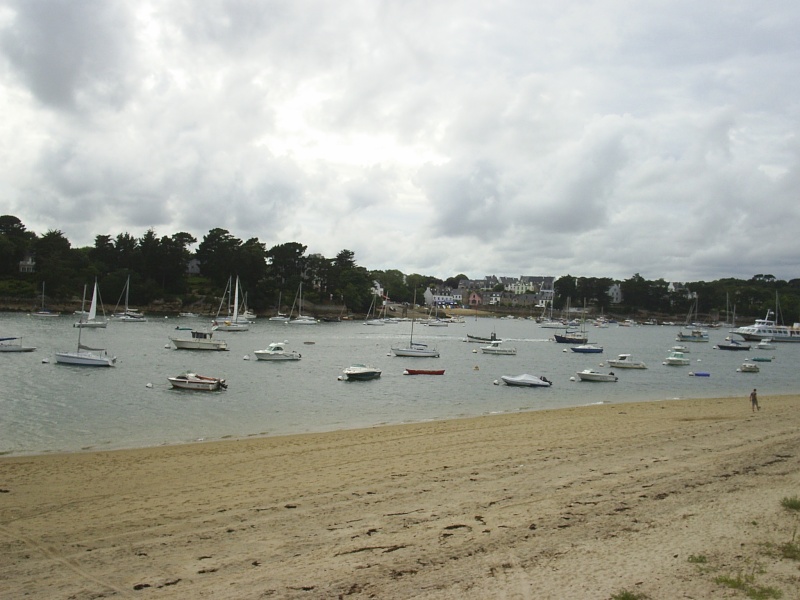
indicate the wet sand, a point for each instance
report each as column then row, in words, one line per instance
column 657, row 498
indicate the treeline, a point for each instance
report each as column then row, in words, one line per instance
column 157, row 267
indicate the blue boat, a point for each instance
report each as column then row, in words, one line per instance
column 587, row 349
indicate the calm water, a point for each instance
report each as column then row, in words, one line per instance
column 46, row 407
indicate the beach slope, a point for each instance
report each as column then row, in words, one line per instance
column 663, row 499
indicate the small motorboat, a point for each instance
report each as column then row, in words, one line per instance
column 276, row 351
column 624, row 361
column 592, row 375
column 496, row 348
column 748, row 367
column 700, row 374
column 676, row 359
column 761, row 359
column 587, row 349
column 526, row 380
column 765, row 344
column 423, row 372
column 684, row 349
column 201, row 383
column 482, row 340
column 360, row 372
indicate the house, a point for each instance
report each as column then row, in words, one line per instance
column 27, row 264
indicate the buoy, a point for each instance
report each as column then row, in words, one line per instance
column 572, row 379
column 166, row 345
column 474, row 350
column 148, row 385
column 45, row 361
column 246, row 357
column 496, row 382
column 476, row 368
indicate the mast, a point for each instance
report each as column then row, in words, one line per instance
column 83, row 303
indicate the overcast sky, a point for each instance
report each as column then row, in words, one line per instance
column 515, row 137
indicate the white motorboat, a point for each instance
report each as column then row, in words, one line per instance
column 496, row 348
column 592, row 375
column 624, row 361
column 188, row 315
column 748, row 367
column 86, row 356
column 765, row 344
column 676, row 359
column 526, row 380
column 361, row 372
column 14, row 344
column 200, row 340
column 679, row 348
column 193, row 381
column 277, row 351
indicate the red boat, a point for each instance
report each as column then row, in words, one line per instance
column 423, row 372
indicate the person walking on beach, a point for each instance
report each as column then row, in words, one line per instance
column 754, row 400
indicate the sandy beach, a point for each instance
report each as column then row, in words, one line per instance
column 659, row 498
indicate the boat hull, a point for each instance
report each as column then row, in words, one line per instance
column 423, row 372
column 197, row 383
column 218, row 345
column 85, row 359
column 597, row 377
column 525, row 380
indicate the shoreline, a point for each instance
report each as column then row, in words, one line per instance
column 578, row 502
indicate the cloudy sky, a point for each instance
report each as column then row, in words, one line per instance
column 595, row 138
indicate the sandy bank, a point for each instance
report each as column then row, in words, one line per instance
column 658, row 498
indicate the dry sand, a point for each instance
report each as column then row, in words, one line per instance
column 573, row 503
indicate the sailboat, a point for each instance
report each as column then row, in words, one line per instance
column 91, row 318
column 372, row 318
column 415, row 349
column 84, row 355
column 128, row 315
column 43, row 312
column 301, row 319
column 232, row 322
column 279, row 316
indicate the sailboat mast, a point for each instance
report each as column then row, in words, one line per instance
column 83, row 303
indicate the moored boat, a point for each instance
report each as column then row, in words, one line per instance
column 624, row 361
column 193, row 381
column 14, row 344
column 526, row 380
column 676, row 359
column 748, row 367
column 693, row 335
column 361, row 372
column 200, row 340
column 496, row 348
column 423, row 372
column 276, row 351
column 732, row 345
column 592, row 375
column 571, row 337
column 587, row 349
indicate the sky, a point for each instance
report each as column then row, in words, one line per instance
column 514, row 137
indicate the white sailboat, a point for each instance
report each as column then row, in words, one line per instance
column 279, row 316
column 232, row 322
column 128, row 315
column 301, row 319
column 415, row 349
column 84, row 355
column 43, row 312
column 91, row 320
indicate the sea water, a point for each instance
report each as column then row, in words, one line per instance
column 47, row 407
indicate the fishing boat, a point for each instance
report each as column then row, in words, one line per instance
column 199, row 340
column 571, row 337
column 526, row 380
column 276, row 351
column 91, row 321
column 587, row 349
column 592, row 375
column 14, row 344
column 624, row 361
column 361, row 372
column 195, row 382
column 423, row 372
column 692, row 335
column 86, row 356
column 496, row 348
